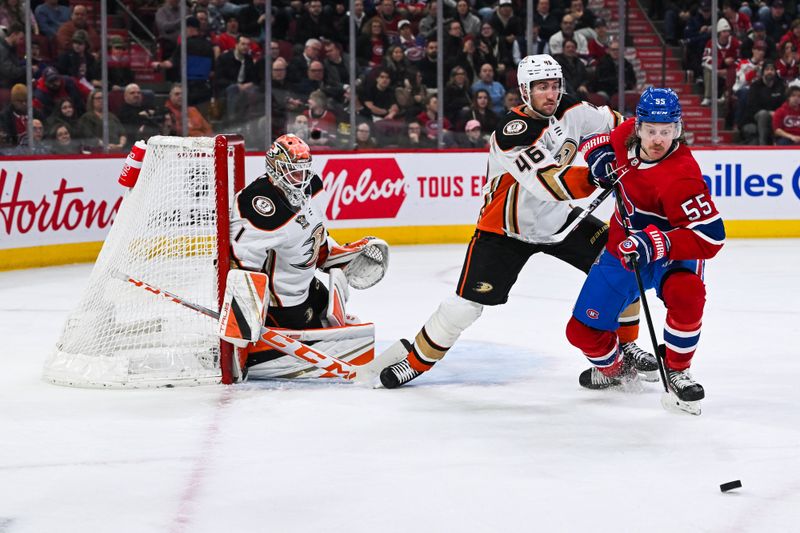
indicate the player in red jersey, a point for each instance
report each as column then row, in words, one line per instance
column 675, row 227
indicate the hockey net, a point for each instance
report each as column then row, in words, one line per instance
column 171, row 232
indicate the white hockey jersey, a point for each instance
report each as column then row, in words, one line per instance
column 531, row 176
column 267, row 235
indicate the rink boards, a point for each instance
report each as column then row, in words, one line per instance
column 58, row 210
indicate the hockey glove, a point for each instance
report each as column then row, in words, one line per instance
column 599, row 155
column 646, row 246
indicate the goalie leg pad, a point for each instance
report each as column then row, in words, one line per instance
column 244, row 307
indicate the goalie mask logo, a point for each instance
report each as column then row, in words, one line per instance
column 483, row 287
column 263, row 206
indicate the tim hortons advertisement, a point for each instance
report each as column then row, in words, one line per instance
column 57, row 201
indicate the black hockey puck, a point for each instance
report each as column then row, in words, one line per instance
column 730, row 485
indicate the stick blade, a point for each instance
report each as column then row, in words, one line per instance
column 672, row 403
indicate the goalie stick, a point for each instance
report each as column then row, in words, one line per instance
column 332, row 366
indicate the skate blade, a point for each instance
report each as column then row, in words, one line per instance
column 672, row 403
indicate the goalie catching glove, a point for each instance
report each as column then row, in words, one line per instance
column 364, row 262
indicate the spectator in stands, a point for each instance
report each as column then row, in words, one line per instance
column 786, row 120
column 414, row 138
column 12, row 69
column 457, row 97
column 493, row 49
column 540, row 44
column 299, row 63
column 61, row 140
column 481, row 111
column 396, row 64
column 358, row 15
column 78, row 62
column 337, row 64
column 315, row 80
column 427, row 25
column 320, row 120
column 469, row 21
column 119, row 64
column 548, row 22
column 52, row 87
column 429, row 118
column 777, row 22
column 759, row 34
column 568, row 32
column 204, row 28
column 576, row 77
column 168, row 26
column 216, row 19
column 64, row 113
column 199, row 63
column 747, row 71
column 14, row 118
column 472, row 137
column 508, row 27
column 585, row 19
column 470, row 59
column 138, row 119
column 364, row 138
column 385, row 11
column 371, row 44
column 412, row 45
column 379, row 99
column 765, row 96
column 427, row 66
column 786, row 65
column 793, row 35
column 313, row 24
column 300, row 127
column 606, row 75
column 408, row 109
column 284, row 101
column 697, row 34
column 50, row 15
column 90, row 125
column 38, row 147
column 197, row 124
column 251, row 19
column 676, row 17
column 236, row 78
column 740, row 22
column 79, row 20
column 227, row 40
column 599, row 44
column 486, row 82
column 511, row 100
column 727, row 55
column 38, row 63
column 13, row 11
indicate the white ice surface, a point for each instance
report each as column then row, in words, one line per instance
column 498, row 437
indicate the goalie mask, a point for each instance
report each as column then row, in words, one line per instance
column 289, row 167
column 535, row 68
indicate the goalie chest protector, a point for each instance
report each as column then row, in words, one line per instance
column 268, row 235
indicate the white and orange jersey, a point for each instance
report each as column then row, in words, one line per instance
column 531, row 176
column 268, row 235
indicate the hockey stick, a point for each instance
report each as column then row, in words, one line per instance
column 558, row 238
column 332, row 366
column 669, row 399
column 626, row 224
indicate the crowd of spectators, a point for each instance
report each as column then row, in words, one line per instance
column 396, row 48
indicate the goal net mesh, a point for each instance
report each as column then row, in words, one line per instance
column 165, row 234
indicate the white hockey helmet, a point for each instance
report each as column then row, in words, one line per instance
column 536, row 68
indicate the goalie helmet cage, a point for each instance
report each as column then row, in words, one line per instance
column 172, row 232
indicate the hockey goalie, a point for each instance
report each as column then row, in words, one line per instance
column 276, row 230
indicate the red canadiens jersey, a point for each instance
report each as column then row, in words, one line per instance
column 670, row 194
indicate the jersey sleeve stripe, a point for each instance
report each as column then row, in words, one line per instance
column 711, row 231
column 548, row 177
column 467, row 261
column 511, row 224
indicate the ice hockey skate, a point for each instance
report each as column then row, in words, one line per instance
column 593, row 378
column 643, row 361
column 684, row 392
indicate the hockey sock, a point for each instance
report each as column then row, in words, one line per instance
column 684, row 295
column 440, row 332
column 600, row 347
column 629, row 323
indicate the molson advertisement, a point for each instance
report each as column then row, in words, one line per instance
column 56, row 211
